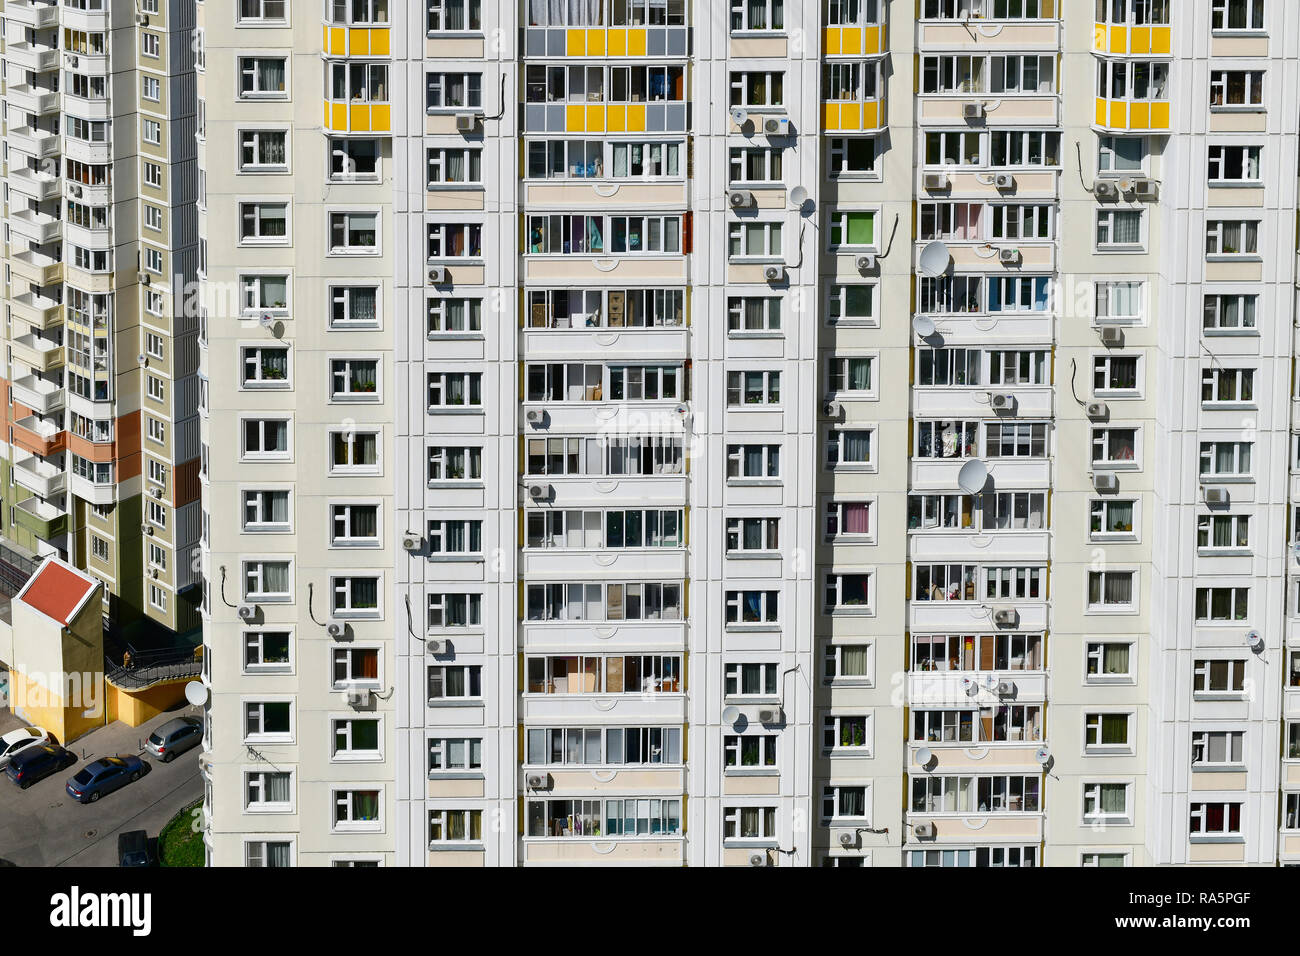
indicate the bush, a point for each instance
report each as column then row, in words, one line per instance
column 179, row 843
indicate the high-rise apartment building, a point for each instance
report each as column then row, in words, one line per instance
column 860, row 433
column 100, row 456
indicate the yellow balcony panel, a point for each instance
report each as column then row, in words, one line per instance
column 1118, row 40
column 1162, row 41
column 617, row 42
column 873, row 40
column 831, row 41
column 1119, row 115
column 1139, row 40
column 1139, row 116
column 358, row 43
column 1099, row 38
column 595, row 119
column 359, row 119
column 1160, row 115
column 381, row 118
column 595, row 43
column 575, row 42
column 575, row 119
column 339, row 117
column 336, row 42
column 873, row 114
column 830, row 116
column 636, row 118
column 1102, row 113
column 616, row 119
column 380, row 42
column 636, row 42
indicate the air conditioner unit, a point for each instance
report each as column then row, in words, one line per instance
column 158, row 493
column 1004, row 616
column 758, row 859
column 1009, row 257
column 534, row 416
column 144, row 279
column 153, row 572
column 848, row 839
column 1005, row 689
column 465, row 122
column 335, row 629
column 72, row 60
column 924, row 831
column 436, row 645
column 1004, row 181
column 1112, row 337
column 538, row 781
column 539, row 492
column 1097, row 410
column 412, row 541
column 934, row 181
column 740, row 198
column 358, row 697
column 1105, row 481
column 777, row 126
column 832, row 409
column 142, row 19
column 437, row 275
column 74, row 190
column 1145, row 189
column 769, row 715
column 1106, row 190
column 1216, row 496
column 247, row 612
column 865, row 263
column 148, row 529
column 774, row 273
column 1002, row 402
column 972, row 111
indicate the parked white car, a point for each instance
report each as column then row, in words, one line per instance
column 19, row 740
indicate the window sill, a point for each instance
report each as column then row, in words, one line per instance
column 445, row 558
column 1228, row 333
column 453, row 336
column 450, row 483
column 1115, row 537
column 455, row 775
column 1224, row 552
column 278, row 529
column 455, row 702
column 1128, row 465
column 268, row 809
column 456, row 409
column 1227, row 838
column 1219, row 768
column 1228, row 406
column 850, row 611
column 1239, row 108
column 764, row 334
column 751, row 772
column 1102, row 610
column 1213, row 697
column 1230, row 257
column 1205, row 479
column 754, row 482
column 752, row 628
column 756, row 555
column 1236, row 184
column 448, row 846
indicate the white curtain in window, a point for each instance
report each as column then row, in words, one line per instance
column 277, row 788
column 275, row 577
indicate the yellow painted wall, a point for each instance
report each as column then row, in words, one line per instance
column 134, row 708
column 47, row 709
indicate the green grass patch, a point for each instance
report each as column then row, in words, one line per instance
column 181, row 841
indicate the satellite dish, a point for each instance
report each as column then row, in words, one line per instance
column 1255, row 640
column 923, row 326
column 730, row 715
column 196, row 693
column 972, row 688
column 924, row 756
column 1043, row 755
column 972, row 476
column 739, row 116
column 934, row 258
column 798, row 196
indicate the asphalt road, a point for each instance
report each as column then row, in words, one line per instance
column 43, row 826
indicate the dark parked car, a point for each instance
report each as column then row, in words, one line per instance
column 175, row 737
column 133, row 849
column 37, row 763
column 104, row 776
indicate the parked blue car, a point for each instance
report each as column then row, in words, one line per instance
column 37, row 763
column 104, row 776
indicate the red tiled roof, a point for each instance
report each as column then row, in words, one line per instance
column 56, row 591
